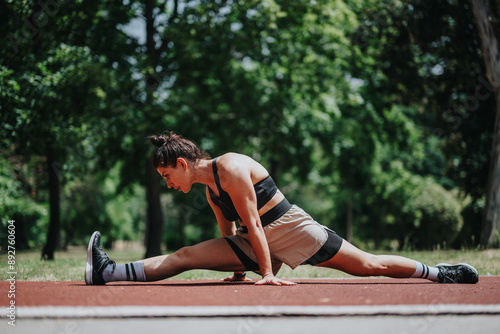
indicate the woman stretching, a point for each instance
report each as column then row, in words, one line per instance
column 271, row 230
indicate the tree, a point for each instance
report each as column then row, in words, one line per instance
column 262, row 77
column 154, row 52
column 417, row 57
column 265, row 78
column 65, row 84
column 487, row 22
column 363, row 105
column 149, row 58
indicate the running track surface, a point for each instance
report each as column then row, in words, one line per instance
column 308, row 292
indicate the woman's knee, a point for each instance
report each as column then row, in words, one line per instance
column 372, row 266
column 181, row 257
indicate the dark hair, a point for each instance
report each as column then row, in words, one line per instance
column 172, row 146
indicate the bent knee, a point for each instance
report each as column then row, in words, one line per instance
column 373, row 267
column 181, row 256
column 183, row 252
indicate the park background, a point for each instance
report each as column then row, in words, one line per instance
column 377, row 117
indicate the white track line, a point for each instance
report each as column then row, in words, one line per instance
column 254, row 311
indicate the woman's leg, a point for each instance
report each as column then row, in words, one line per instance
column 215, row 254
column 356, row 262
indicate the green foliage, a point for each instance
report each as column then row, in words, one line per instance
column 31, row 218
column 434, row 110
column 80, row 220
column 470, row 234
column 262, row 77
column 368, row 102
column 440, row 218
column 102, row 208
column 61, row 88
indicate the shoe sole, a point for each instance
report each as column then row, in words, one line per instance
column 88, row 267
column 463, row 264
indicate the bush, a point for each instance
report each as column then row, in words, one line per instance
column 414, row 210
column 470, row 234
column 437, row 217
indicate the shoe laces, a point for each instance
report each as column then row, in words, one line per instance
column 109, row 261
column 452, row 274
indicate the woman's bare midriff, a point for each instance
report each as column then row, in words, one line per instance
column 277, row 198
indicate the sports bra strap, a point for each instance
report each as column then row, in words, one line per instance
column 216, row 176
column 264, row 190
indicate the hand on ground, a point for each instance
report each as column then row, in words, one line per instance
column 273, row 280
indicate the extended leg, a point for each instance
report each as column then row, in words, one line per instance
column 359, row 263
column 356, row 262
column 215, row 254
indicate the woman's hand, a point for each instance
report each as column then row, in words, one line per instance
column 273, row 280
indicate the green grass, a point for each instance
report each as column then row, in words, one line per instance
column 70, row 265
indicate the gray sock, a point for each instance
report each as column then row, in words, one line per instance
column 125, row 272
column 424, row 271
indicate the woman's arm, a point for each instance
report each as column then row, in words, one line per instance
column 242, row 193
column 227, row 228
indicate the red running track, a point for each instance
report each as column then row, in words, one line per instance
column 308, row 292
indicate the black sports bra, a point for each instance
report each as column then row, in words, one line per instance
column 265, row 189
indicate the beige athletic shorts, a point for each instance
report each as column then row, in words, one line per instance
column 292, row 239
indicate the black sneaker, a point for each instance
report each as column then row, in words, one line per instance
column 97, row 260
column 460, row 273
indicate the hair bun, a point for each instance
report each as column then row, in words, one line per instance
column 171, row 146
column 162, row 139
column 158, row 140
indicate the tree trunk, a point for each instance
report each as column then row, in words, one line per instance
column 348, row 231
column 154, row 213
column 21, row 240
column 54, row 185
column 488, row 31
